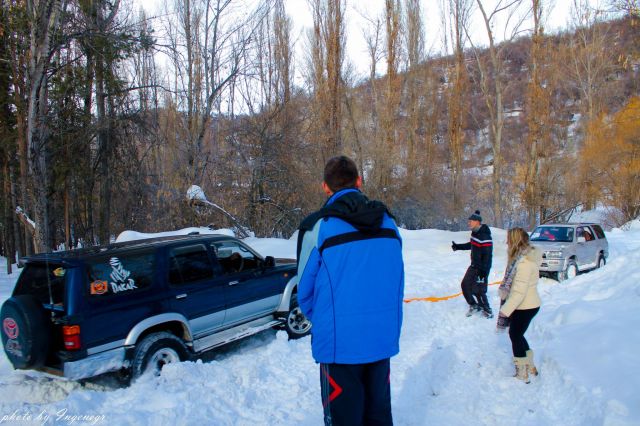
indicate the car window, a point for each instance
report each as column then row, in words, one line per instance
column 588, row 234
column 44, row 281
column 585, row 232
column 119, row 274
column 561, row 234
column 235, row 257
column 189, row 264
column 599, row 231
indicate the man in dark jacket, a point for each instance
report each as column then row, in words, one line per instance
column 475, row 281
column 351, row 285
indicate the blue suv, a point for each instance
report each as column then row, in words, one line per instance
column 134, row 307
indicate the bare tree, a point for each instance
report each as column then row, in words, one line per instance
column 590, row 63
column 387, row 153
column 459, row 12
column 267, row 134
column 327, row 57
column 44, row 17
column 493, row 86
column 415, row 40
column 373, row 38
column 207, row 47
column 538, row 100
column 15, row 39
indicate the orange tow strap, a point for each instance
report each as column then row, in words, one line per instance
column 438, row 299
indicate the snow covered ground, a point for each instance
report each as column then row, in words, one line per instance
column 451, row 370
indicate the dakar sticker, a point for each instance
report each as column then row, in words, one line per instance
column 120, row 276
column 10, row 328
column 99, row 287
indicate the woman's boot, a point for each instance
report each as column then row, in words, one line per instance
column 532, row 368
column 522, row 370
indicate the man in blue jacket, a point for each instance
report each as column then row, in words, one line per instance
column 351, row 285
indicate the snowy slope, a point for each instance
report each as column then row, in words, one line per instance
column 451, row 369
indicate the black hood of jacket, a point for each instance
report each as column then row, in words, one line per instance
column 353, row 207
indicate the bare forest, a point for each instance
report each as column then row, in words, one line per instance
column 97, row 135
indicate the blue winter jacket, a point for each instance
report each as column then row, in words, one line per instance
column 351, row 280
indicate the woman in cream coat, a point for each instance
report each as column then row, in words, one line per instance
column 519, row 298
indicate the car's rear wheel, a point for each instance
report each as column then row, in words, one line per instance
column 296, row 323
column 601, row 262
column 570, row 271
column 155, row 351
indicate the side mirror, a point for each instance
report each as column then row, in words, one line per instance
column 269, row 262
column 581, row 239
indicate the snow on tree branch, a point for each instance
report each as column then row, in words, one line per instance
column 25, row 219
column 196, row 197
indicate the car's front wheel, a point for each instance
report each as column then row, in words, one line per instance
column 155, row 351
column 296, row 323
column 601, row 262
column 570, row 271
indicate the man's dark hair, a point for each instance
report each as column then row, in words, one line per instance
column 340, row 173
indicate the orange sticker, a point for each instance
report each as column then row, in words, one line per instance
column 99, row 287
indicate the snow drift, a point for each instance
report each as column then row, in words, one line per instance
column 451, row 369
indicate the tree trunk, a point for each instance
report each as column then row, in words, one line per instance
column 44, row 20
column 104, row 153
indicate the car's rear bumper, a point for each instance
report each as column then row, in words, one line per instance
column 92, row 365
column 95, row 364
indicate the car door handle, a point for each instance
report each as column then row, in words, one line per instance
column 181, row 296
column 234, row 282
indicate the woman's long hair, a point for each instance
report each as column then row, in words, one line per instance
column 517, row 241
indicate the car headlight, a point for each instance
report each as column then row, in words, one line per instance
column 554, row 254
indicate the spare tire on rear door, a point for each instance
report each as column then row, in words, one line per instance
column 25, row 331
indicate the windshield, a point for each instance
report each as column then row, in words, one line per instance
column 560, row 234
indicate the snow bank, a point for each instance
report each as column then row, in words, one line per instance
column 451, row 369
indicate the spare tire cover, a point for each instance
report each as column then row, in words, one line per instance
column 25, row 331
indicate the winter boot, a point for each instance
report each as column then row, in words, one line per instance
column 531, row 368
column 522, row 372
column 472, row 309
column 487, row 313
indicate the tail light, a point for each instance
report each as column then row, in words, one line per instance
column 71, row 337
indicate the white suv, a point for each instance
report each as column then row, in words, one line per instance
column 570, row 248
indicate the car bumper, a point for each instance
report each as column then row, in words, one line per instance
column 552, row 265
column 93, row 365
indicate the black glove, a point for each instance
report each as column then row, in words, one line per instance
column 454, row 246
column 503, row 323
column 481, row 276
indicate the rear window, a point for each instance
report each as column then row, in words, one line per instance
column 44, row 281
column 599, row 231
column 124, row 274
column 560, row 234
